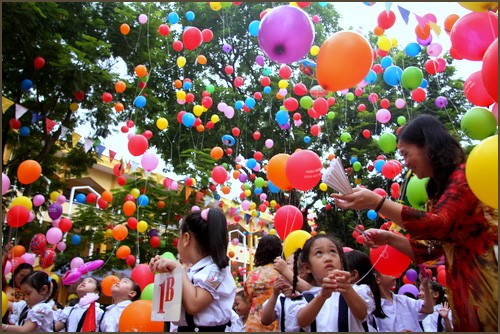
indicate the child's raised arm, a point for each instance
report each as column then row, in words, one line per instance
column 268, row 314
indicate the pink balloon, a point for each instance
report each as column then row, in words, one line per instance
column 434, row 49
column 31, row 217
column 5, row 183
column 269, row 143
column 91, row 266
column 494, row 111
column 38, row 200
column 303, row 169
column 400, row 103
column 71, row 276
column 28, row 258
column 61, row 246
column 383, row 116
column 76, row 263
column 61, row 199
column 245, row 205
column 8, row 268
column 54, row 235
column 149, row 161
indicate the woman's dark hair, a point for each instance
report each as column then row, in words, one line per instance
column 436, row 287
column 37, row 280
column 268, row 249
column 443, row 150
column 211, row 234
column 360, row 262
column 20, row 267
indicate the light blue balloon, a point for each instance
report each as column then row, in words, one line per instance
column 173, row 18
column 424, row 83
column 412, row 49
column 371, row 214
column 81, row 198
column 187, row 85
column 140, row 102
column 257, row 191
column 250, row 102
column 378, row 165
column 307, row 139
column 228, row 140
column 272, row 188
column 188, row 119
column 142, row 200
column 190, row 16
column 282, row 117
column 371, row 77
column 251, row 163
column 323, row 4
column 386, row 61
column 253, row 28
column 76, row 239
column 353, row 159
column 267, row 90
column 392, row 75
column 239, row 105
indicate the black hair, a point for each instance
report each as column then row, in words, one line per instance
column 97, row 284
column 20, row 267
column 211, row 234
column 360, row 262
column 55, row 289
column 137, row 289
column 295, row 280
column 436, row 287
column 37, row 280
column 241, row 293
column 409, row 295
column 268, row 249
column 443, row 150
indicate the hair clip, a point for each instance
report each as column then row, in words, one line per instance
column 204, row 214
column 49, row 279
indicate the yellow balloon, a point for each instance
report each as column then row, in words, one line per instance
column 273, row 203
column 215, row 6
column 384, row 43
column 22, row 200
column 181, row 61
column 323, row 186
column 314, row 50
column 5, row 303
column 142, row 226
column 283, row 84
column 135, row 193
column 254, row 213
column 272, row 231
column 108, row 233
column 181, row 95
column 482, row 6
column 481, row 171
column 54, row 195
column 394, row 42
column 55, row 277
column 198, row 110
column 162, row 123
column 248, row 193
column 74, row 106
column 294, row 240
column 215, row 118
column 253, row 206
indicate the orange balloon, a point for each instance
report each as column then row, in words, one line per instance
column 216, row 153
column 378, row 31
column 18, row 250
column 136, row 317
column 276, row 171
column 236, row 174
column 225, row 190
column 141, row 71
column 107, row 196
column 344, row 60
column 201, row 59
column 119, row 107
column 123, row 252
column 449, row 21
column 120, row 86
column 124, row 29
column 28, row 171
column 200, row 128
column 177, row 84
column 129, row 208
column 107, row 283
column 120, row 232
column 423, row 32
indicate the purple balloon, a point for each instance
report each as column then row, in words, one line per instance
column 153, row 232
column 259, row 60
column 286, row 34
column 412, row 275
column 227, row 48
column 441, row 102
column 425, row 42
column 408, row 288
column 243, row 177
column 55, row 210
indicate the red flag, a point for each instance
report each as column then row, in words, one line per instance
column 89, row 322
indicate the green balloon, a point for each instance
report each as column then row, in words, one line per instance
column 210, row 88
column 401, row 120
column 416, row 192
column 387, row 142
column 147, row 293
column 356, row 166
column 168, row 255
column 306, row 102
column 478, row 123
column 266, row 71
column 345, row 137
column 259, row 182
column 225, row 4
column 411, row 77
column 331, row 115
column 349, row 96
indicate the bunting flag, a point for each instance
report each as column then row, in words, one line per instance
column 388, row 6
column 20, row 110
column 6, row 103
column 89, row 322
column 435, row 28
column 49, row 124
column 405, row 14
column 134, row 166
column 35, row 117
column 100, row 150
column 422, row 22
column 75, row 138
column 87, row 145
column 112, row 155
column 189, row 190
column 64, row 131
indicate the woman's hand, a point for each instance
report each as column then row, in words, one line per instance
column 161, row 265
column 376, row 237
column 359, row 199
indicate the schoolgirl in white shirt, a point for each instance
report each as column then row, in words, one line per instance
column 436, row 322
column 336, row 306
column 124, row 292
column 208, row 288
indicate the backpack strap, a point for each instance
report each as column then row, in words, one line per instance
column 343, row 325
column 23, row 315
column 82, row 319
column 308, row 297
column 282, row 317
column 102, row 318
column 440, row 324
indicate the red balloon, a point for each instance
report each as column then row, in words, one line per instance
column 14, row 123
column 391, row 169
column 65, row 224
column 431, row 66
column 91, row 198
column 142, row 275
column 38, row 244
column 164, row 30
column 39, row 63
column 130, row 260
column 48, row 258
column 300, row 89
column 17, row 216
column 489, row 70
column 441, row 277
column 256, row 135
column 366, row 133
column 473, row 33
column 321, row 106
column 102, row 203
column 285, row 71
column 419, row 94
column 107, row 97
column 291, row 104
column 177, row 46
column 236, row 131
column 475, row 91
column 154, row 241
column 386, row 19
column 137, row 145
column 121, row 180
column 219, row 174
column 389, row 261
column 315, row 130
column 287, row 219
column 303, row 169
column 207, row 35
column 192, row 38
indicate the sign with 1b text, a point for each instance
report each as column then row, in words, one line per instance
column 167, row 296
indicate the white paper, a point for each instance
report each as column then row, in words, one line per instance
column 167, row 296
column 336, row 178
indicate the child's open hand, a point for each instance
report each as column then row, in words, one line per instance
column 162, row 265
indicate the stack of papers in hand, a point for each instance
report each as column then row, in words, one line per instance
column 336, row 178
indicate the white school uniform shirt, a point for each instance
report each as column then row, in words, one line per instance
column 111, row 318
column 402, row 314
column 430, row 321
column 43, row 316
column 17, row 308
column 71, row 318
column 237, row 324
column 220, row 284
column 327, row 318
column 291, row 323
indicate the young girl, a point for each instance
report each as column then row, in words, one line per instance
column 336, row 306
column 436, row 322
column 241, row 310
column 36, row 314
column 208, row 288
column 123, row 293
column 72, row 318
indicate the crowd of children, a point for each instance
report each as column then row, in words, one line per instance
column 320, row 288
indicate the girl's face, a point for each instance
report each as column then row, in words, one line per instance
column 416, row 159
column 241, row 306
column 19, row 277
column 323, row 258
column 86, row 286
column 124, row 289
column 386, row 282
column 33, row 297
